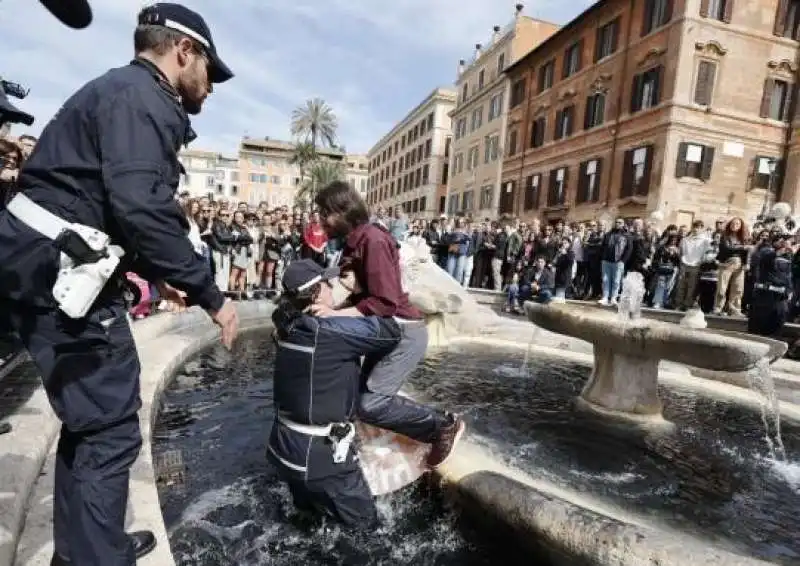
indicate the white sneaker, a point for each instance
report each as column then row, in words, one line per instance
column 614, row 303
column 603, row 302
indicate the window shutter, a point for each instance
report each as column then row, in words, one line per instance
column 787, row 104
column 582, row 184
column 648, row 172
column 566, row 185
column 780, row 17
column 706, row 72
column 680, row 164
column 667, row 12
column 704, row 8
column 766, row 99
column 598, row 175
column 580, row 54
column 636, row 94
column 727, row 11
column 597, row 43
column 565, row 63
column 707, row 162
column 587, row 116
column 659, row 81
column 648, row 13
column 615, row 35
column 557, row 125
column 627, row 174
column 570, row 113
column 551, row 189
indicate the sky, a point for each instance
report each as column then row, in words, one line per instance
column 371, row 60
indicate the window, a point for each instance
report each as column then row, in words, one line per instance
column 546, row 75
column 538, row 129
column 704, row 82
column 210, row 181
column 595, row 110
column 787, row 20
column 425, row 173
column 694, row 160
column 422, row 204
column 461, row 128
column 487, row 149
column 776, row 99
column 716, row 9
column 452, row 206
column 234, row 190
column 235, row 176
column 465, row 92
column 656, row 14
column 219, row 174
column 636, row 170
column 572, row 59
column 477, row 119
column 481, row 78
column 472, row 159
column 467, row 200
column 507, row 194
column 564, row 122
column 558, row 187
column 512, row 143
column 607, row 40
column 254, row 178
column 495, row 106
column 445, row 172
column 761, row 171
column 646, row 91
column 501, row 63
column 532, row 184
column 494, row 144
column 458, row 163
column 430, row 123
column 486, row 197
column 187, row 179
column 589, row 181
column 517, row 93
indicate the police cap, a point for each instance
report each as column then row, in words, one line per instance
column 12, row 114
column 191, row 24
column 73, row 13
column 304, row 274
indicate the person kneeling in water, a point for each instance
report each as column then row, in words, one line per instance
column 316, row 393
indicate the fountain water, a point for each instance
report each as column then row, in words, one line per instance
column 632, row 296
column 760, row 380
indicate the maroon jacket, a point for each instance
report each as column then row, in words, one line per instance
column 372, row 253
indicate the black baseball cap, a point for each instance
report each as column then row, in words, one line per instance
column 304, row 273
column 190, row 23
column 12, row 114
column 76, row 14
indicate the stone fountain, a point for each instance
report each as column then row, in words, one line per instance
column 628, row 349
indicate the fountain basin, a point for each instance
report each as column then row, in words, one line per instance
column 624, row 382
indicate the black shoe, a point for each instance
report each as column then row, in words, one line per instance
column 143, row 543
column 449, row 435
column 5, row 428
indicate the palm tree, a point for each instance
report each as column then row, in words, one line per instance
column 302, row 156
column 320, row 174
column 315, row 122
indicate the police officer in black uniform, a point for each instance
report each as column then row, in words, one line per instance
column 97, row 199
column 316, row 390
column 772, row 288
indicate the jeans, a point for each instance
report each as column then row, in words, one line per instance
column 455, row 266
column 497, row 273
column 469, row 264
column 612, row 279
column 518, row 294
column 663, row 289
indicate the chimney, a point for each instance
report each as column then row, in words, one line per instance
column 477, row 51
column 519, row 7
column 495, row 34
column 461, row 65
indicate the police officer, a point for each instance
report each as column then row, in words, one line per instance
column 772, row 288
column 96, row 200
column 316, row 390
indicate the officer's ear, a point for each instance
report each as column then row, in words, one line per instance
column 185, row 51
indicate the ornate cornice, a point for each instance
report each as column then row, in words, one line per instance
column 783, row 66
column 652, row 55
column 711, row 47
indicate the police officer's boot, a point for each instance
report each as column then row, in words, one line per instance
column 143, row 543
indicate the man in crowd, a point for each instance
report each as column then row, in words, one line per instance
column 104, row 172
column 772, row 288
column 615, row 252
column 317, row 381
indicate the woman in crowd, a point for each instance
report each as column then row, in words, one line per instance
column 562, row 266
column 271, row 245
column 707, row 280
column 255, row 265
column 734, row 248
column 666, row 262
column 240, row 253
column 457, row 247
column 314, row 241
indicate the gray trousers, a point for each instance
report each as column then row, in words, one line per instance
column 382, row 377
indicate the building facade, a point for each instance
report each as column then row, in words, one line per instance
column 209, row 174
column 479, row 118
column 268, row 174
column 679, row 109
column 357, row 172
column 409, row 166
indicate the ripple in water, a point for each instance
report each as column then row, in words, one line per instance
column 224, row 505
column 714, row 477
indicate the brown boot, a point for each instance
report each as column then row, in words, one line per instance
column 449, row 435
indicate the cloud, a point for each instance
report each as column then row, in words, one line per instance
column 371, row 61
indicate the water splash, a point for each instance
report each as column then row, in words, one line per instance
column 760, row 380
column 632, row 297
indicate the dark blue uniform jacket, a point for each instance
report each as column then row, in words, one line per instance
column 108, row 160
column 317, row 381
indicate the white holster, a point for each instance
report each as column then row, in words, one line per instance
column 340, row 435
column 87, row 261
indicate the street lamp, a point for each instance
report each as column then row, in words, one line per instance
column 772, row 165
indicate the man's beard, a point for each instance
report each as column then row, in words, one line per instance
column 191, row 107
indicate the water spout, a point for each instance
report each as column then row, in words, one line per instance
column 631, row 298
column 760, row 380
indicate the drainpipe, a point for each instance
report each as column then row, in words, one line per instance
column 624, row 81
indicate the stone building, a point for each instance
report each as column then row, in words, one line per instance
column 357, row 172
column 408, row 167
column 479, row 118
column 680, row 108
column 209, row 174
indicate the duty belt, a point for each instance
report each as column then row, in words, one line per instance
column 340, row 435
column 772, row 288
